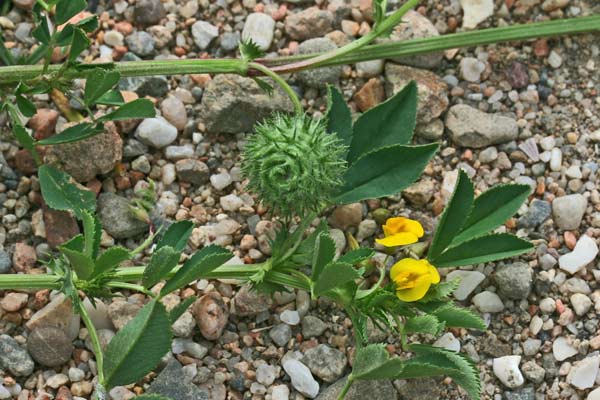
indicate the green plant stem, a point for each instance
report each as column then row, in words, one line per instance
column 346, row 387
column 129, row 286
column 282, row 83
column 28, row 281
column 11, row 75
column 95, row 342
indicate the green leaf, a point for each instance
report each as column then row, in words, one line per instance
column 140, row 108
column 483, row 249
column 268, row 88
column 491, row 209
column 162, row 262
column 384, row 172
column 356, row 256
column 440, row 291
column 99, row 81
column 379, row 10
column 139, row 346
column 60, row 194
column 176, row 235
column 79, row 44
column 76, row 243
column 389, row 123
column 74, row 133
column 201, row 263
column 249, row 50
column 335, row 275
column 64, row 37
column 373, row 362
column 26, row 107
column 462, row 370
column 452, row 315
column 151, row 397
column 180, row 308
column 23, row 137
column 81, row 263
column 42, row 31
column 88, row 24
column 339, row 118
column 304, row 253
column 67, row 9
column 453, row 217
column 91, row 233
column 323, row 254
column 423, row 324
column 111, row 98
column 5, row 55
column 110, row 260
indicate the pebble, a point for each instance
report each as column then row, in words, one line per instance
column 50, row 346
column 13, row 302
column 563, row 349
column 156, row 132
column 280, row 392
column 448, row 342
column 113, row 38
column 148, row 12
column 281, row 334
column 318, row 77
column 231, row 202
column 312, row 326
column 325, row 362
column 488, row 302
column 116, row 217
column 470, row 127
column 204, row 33
column 531, row 346
column 5, row 262
column 507, row 371
column 568, row 211
column 192, row 170
column 221, row 180
column 290, row 317
column 141, row 43
column 581, row 303
column 309, row 23
column 259, row 28
column 514, row 281
column 585, row 252
column 179, row 152
column 583, row 373
column 476, row 11
column 555, row 160
column 4, row 393
column 211, row 315
column 471, row 69
column 302, row 378
column 266, row 374
column 14, row 358
column 554, row 59
column 469, row 281
column 55, row 381
column 173, row 110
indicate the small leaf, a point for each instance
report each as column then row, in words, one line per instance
column 440, row 291
column 200, row 264
column 67, row 9
column 452, row 315
column 373, row 362
column 141, row 343
column 91, row 229
column 111, row 98
column 249, row 50
column 268, row 88
column 162, row 262
column 5, row 55
column 389, row 123
column 81, row 263
column 335, row 275
column 23, row 137
column 384, row 172
column 303, row 254
column 323, row 254
column 64, row 37
column 99, row 81
column 140, row 108
column 73, row 133
column 356, row 256
column 79, row 44
column 491, row 209
column 60, row 194
column 453, row 217
column 76, row 243
column 423, row 324
column 176, row 235
column 42, row 31
column 110, row 260
column 339, row 118
column 482, row 249
column 88, row 24
column 26, row 107
column 180, row 308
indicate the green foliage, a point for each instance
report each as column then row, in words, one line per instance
column 323, row 254
column 110, row 260
column 423, row 324
column 73, row 133
column 61, row 194
column 180, row 308
column 339, row 118
column 162, row 262
column 81, row 263
column 176, row 236
column 151, row 397
column 139, row 108
column 139, row 346
column 335, row 275
column 249, row 50
column 452, row 315
column 373, row 362
column 67, row 9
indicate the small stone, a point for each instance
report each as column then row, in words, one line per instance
column 5, row 262
column 211, row 315
column 583, row 373
column 116, row 218
column 517, row 75
column 179, row 152
column 568, row 211
column 259, row 27
column 301, row 377
column 148, row 12
column 476, row 11
column 471, row 69
column 156, row 132
column 141, row 43
column 231, row 202
column 192, row 170
column 76, row 374
column 469, row 281
column 318, row 77
column 266, row 374
column 554, row 59
column 585, row 252
column 470, row 127
column 369, row 69
column 325, row 362
column 248, row 302
column 514, row 281
column 533, row 372
column 581, row 303
column 563, row 349
column 290, row 317
column 488, row 302
column 312, row 327
column 448, row 342
column 173, row 110
column 280, row 392
column 507, row 371
column 531, row 346
column 366, row 229
column 43, row 123
column 538, row 212
column 13, row 302
column 57, row 313
column 173, row 384
column 309, row 23
column 113, row 38
column 371, row 94
column 50, row 346
column 221, row 181
column 14, row 358
column 204, row 33
column 346, row 216
column 55, row 381
column 281, row 334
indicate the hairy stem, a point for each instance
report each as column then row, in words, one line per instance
column 282, row 83
column 346, row 387
column 27, row 281
column 95, row 342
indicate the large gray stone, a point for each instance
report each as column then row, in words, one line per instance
column 233, row 104
column 116, row 217
column 514, row 281
column 470, row 127
column 360, row 390
column 173, row 384
column 14, row 358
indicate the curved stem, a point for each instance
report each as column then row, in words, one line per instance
column 129, row 286
column 95, row 342
column 346, row 387
column 282, row 83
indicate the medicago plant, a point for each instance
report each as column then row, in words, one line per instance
column 299, row 167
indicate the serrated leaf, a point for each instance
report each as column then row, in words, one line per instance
column 162, row 262
column 176, row 235
column 136, row 109
column 249, row 50
column 389, row 123
column 491, row 209
column 482, row 249
column 67, row 9
column 99, row 81
column 141, row 343
column 384, row 172
column 454, row 216
column 42, row 31
column 26, row 107
column 60, row 194
column 76, row 243
column 201, row 263
column 373, row 362
column 73, row 133
column 335, row 275
column 81, row 263
column 110, row 260
column 111, row 98
column 303, row 254
column 379, row 10
column 79, row 44
column 356, row 256
column 339, row 117
column 23, row 137
column 324, row 253
column 264, row 85
column 180, row 308
column 452, row 315
column 440, row 291
column 423, row 324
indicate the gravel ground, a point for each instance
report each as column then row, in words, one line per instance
column 523, row 113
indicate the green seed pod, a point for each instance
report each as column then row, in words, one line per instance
column 294, row 164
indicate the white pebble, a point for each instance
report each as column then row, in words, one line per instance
column 583, row 373
column 290, row 317
column 585, row 252
column 562, row 349
column 507, row 370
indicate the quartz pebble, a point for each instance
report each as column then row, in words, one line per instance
column 302, row 378
column 562, row 349
column 469, row 281
column 583, row 373
column 488, row 302
column 585, row 252
column 507, row 370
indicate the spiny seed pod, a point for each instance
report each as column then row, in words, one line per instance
column 293, row 163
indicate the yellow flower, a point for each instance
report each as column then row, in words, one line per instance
column 400, row 231
column 413, row 278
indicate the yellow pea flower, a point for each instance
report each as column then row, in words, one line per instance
column 413, row 278
column 400, row 231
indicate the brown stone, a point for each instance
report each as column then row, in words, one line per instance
column 60, row 226
column 371, row 94
column 310, row 23
column 24, row 257
column 211, row 315
column 24, row 162
column 13, row 302
column 43, row 123
column 346, row 216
